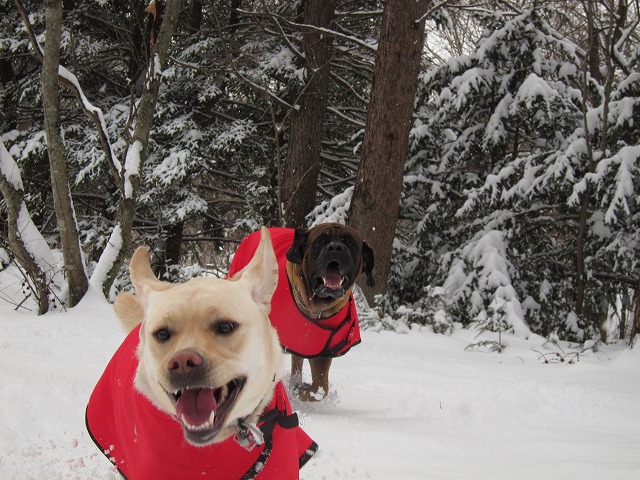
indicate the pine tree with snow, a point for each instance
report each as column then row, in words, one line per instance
column 491, row 179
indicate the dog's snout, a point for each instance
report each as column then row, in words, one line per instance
column 185, row 362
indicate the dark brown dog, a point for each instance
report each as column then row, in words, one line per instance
column 313, row 308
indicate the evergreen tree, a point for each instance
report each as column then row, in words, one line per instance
column 494, row 236
column 221, row 123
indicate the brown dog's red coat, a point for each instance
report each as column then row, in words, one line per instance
column 313, row 309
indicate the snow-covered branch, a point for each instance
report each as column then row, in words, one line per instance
column 25, row 240
column 70, row 81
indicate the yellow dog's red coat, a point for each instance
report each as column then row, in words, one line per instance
column 300, row 335
column 146, row 443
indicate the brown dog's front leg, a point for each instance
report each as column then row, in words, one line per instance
column 296, row 371
column 319, row 387
column 320, row 374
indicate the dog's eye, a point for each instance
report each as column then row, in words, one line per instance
column 162, row 335
column 224, row 328
column 348, row 240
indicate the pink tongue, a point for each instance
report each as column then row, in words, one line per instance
column 333, row 279
column 196, row 405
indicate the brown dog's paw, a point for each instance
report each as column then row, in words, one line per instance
column 309, row 393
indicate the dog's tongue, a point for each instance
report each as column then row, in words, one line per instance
column 195, row 405
column 332, row 279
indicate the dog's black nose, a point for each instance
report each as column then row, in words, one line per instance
column 335, row 247
column 184, row 362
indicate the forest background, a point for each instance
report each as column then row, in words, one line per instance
column 489, row 151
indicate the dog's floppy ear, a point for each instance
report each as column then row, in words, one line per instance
column 142, row 276
column 129, row 311
column 367, row 260
column 296, row 252
column 130, row 308
column 261, row 273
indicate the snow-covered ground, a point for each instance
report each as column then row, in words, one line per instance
column 410, row 406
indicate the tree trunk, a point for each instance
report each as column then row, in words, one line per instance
column 305, row 139
column 63, row 203
column 24, row 240
column 376, row 197
column 169, row 253
column 635, row 326
column 112, row 258
column 195, row 16
column 591, row 303
column 138, row 54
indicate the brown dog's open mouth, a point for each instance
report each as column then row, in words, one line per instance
column 333, row 279
column 332, row 283
column 203, row 410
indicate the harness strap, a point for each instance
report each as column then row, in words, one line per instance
column 273, row 417
column 269, row 421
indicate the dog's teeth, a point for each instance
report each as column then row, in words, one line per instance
column 221, row 394
column 196, row 428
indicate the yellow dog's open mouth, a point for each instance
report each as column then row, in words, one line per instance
column 203, row 410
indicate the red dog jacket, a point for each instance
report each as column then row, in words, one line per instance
column 146, row 443
column 299, row 334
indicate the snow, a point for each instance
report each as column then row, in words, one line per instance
column 334, row 210
column 235, row 134
column 32, row 239
column 409, row 406
column 627, row 158
column 9, row 168
column 34, row 242
column 107, row 259
column 132, row 166
column 157, row 67
column 626, row 161
column 173, row 166
column 532, row 89
column 284, row 62
column 190, row 204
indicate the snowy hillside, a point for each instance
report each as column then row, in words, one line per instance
column 411, row 406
